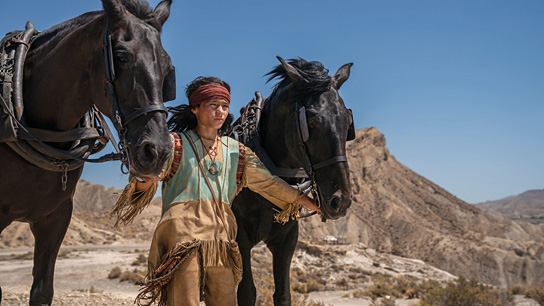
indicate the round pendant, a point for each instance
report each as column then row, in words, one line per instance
column 213, row 169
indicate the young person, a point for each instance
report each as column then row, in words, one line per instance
column 193, row 254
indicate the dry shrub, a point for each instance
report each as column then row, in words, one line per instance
column 465, row 292
column 141, row 260
column 299, row 287
column 358, row 293
column 114, row 273
column 94, row 290
column 396, row 287
column 63, row 254
column 313, row 285
column 298, row 275
column 25, row 256
column 534, row 292
column 135, row 276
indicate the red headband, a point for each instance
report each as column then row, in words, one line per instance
column 209, row 92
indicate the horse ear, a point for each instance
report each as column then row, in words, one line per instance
column 162, row 11
column 341, row 75
column 115, row 10
column 292, row 73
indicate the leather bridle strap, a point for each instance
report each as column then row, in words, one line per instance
column 143, row 111
column 302, row 138
column 119, row 122
column 331, row 161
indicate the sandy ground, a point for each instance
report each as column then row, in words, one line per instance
column 81, row 278
column 82, row 271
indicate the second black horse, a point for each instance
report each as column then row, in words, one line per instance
column 304, row 87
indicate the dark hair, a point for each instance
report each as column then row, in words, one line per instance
column 183, row 119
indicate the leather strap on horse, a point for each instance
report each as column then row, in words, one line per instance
column 241, row 165
column 29, row 142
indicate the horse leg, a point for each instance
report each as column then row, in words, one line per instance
column 247, row 293
column 4, row 222
column 282, row 254
column 48, row 232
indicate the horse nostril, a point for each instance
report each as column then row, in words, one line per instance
column 148, row 152
column 334, row 203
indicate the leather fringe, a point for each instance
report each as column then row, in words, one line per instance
column 291, row 212
column 217, row 253
column 131, row 202
column 156, row 283
column 210, row 253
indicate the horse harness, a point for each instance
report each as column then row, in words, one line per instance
column 92, row 133
column 246, row 130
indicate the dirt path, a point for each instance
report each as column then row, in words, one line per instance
column 81, row 274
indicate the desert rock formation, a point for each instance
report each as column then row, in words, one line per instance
column 398, row 211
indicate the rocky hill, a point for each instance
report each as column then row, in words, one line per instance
column 91, row 223
column 527, row 206
column 394, row 210
column 398, row 211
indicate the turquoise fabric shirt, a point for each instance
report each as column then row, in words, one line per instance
column 189, row 184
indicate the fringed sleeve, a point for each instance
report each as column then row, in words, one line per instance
column 132, row 202
column 257, row 178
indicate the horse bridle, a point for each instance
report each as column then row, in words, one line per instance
column 119, row 122
column 303, row 136
column 30, row 143
column 248, row 133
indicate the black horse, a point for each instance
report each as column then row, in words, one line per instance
column 64, row 76
column 304, row 123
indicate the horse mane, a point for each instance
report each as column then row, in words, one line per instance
column 316, row 75
column 138, row 8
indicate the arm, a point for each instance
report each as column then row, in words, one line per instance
column 309, row 203
column 257, row 178
column 148, row 182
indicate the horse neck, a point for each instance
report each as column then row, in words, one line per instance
column 276, row 113
column 64, row 76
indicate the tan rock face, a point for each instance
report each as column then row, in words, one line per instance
column 398, row 211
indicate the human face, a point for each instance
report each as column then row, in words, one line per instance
column 212, row 114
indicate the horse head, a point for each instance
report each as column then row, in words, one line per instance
column 142, row 78
column 319, row 124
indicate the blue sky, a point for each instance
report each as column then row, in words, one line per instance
column 456, row 87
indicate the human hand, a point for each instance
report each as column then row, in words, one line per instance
column 310, row 204
column 146, row 182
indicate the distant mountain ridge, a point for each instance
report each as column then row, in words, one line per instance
column 527, row 206
column 394, row 210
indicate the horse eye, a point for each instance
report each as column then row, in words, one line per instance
column 122, row 58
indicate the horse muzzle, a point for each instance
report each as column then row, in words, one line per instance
column 150, row 156
column 335, row 206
